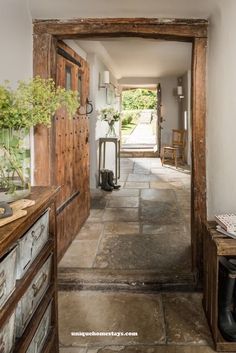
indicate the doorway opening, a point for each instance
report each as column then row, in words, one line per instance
column 139, row 120
column 48, row 32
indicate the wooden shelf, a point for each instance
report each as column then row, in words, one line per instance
column 215, row 245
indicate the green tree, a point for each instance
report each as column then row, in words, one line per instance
column 139, row 99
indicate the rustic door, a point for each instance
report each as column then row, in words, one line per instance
column 71, row 150
column 159, row 118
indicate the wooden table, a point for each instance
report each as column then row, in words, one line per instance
column 102, row 156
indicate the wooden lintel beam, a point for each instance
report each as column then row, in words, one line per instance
column 152, row 28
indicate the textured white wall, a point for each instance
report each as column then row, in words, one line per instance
column 97, row 127
column 221, row 121
column 16, row 41
column 122, row 8
column 170, row 108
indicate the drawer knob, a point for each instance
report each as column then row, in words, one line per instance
column 35, row 236
column 37, row 286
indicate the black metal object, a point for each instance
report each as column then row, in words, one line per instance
column 67, row 202
column 89, row 103
column 67, row 56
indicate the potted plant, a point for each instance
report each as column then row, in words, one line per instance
column 111, row 116
column 31, row 103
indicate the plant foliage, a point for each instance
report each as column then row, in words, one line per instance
column 110, row 115
column 34, row 102
column 139, row 99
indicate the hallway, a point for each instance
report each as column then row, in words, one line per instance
column 143, row 226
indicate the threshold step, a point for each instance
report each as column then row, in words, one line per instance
column 125, row 280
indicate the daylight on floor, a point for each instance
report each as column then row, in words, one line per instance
column 117, row 176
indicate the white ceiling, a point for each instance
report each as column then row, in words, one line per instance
column 122, row 8
column 138, row 57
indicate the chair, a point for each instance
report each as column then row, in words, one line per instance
column 176, row 149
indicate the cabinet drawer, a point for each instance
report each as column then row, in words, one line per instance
column 41, row 334
column 31, row 243
column 7, row 335
column 29, row 302
column 7, row 276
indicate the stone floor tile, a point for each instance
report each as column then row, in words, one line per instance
column 124, row 192
column 81, row 253
column 159, row 185
column 90, row 231
column 125, row 201
column 87, row 311
column 136, row 185
column 122, row 228
column 143, row 252
column 121, row 214
column 124, row 176
column 98, row 202
column 72, row 350
column 134, row 349
column 141, row 170
column 141, row 177
column 160, row 213
column 95, row 215
column 152, row 228
column 185, row 319
column 158, row 195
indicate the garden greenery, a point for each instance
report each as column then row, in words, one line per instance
column 139, row 99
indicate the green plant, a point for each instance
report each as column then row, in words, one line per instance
column 139, row 99
column 33, row 102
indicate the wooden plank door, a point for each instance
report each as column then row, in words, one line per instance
column 71, row 151
column 159, row 118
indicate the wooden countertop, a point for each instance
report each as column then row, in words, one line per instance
column 9, row 234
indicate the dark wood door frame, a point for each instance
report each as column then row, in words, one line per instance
column 46, row 34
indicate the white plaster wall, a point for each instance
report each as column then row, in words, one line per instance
column 170, row 108
column 221, row 120
column 185, row 106
column 16, row 41
column 99, row 128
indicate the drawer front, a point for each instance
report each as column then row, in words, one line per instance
column 41, row 334
column 7, row 276
column 7, row 336
column 29, row 302
column 31, row 244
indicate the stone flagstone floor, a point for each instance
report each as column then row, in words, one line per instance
column 144, row 225
column 165, row 323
